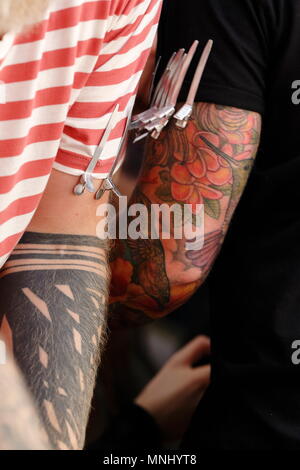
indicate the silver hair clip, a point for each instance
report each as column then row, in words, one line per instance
column 155, row 119
column 108, row 184
column 165, row 99
column 170, row 78
column 184, row 113
column 156, row 110
column 165, row 96
column 175, row 87
column 86, row 180
column 128, row 165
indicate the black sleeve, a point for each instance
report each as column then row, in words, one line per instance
column 244, row 35
column 132, row 429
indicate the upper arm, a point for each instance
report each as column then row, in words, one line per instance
column 209, row 163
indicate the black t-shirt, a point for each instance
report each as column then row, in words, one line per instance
column 254, row 399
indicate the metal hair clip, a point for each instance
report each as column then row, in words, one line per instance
column 184, row 113
column 128, row 165
column 150, row 114
column 174, row 88
column 165, row 96
column 107, row 183
column 157, row 104
column 170, row 78
column 164, row 99
column 86, row 180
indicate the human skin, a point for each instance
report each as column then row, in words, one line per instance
column 207, row 163
column 172, row 396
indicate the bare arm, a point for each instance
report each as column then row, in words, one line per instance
column 207, row 163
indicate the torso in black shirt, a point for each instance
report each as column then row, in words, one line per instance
column 254, row 399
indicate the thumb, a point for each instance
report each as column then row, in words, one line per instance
column 192, row 352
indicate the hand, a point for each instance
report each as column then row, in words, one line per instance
column 172, row 396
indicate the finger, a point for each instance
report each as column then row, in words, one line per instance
column 201, row 376
column 193, row 351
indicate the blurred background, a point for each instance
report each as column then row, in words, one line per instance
column 133, row 356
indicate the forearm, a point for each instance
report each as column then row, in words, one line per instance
column 20, row 424
column 54, row 290
column 207, row 165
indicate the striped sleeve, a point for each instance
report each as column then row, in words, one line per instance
column 115, row 77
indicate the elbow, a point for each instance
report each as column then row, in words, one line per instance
column 179, row 294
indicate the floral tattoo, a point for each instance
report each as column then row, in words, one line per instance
column 207, row 163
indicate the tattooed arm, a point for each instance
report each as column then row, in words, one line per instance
column 207, row 163
column 53, row 308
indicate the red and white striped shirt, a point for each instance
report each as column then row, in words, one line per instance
column 59, row 84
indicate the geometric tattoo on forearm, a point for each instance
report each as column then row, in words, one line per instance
column 53, row 314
